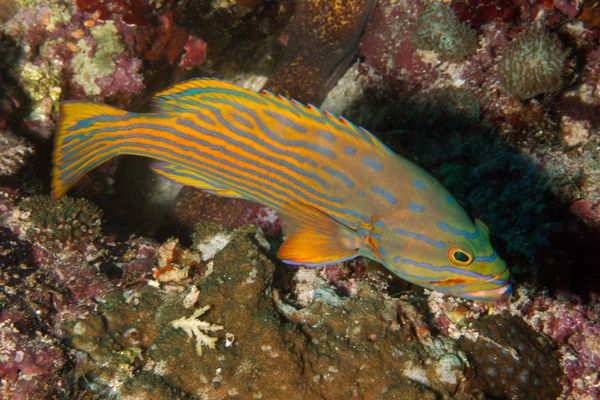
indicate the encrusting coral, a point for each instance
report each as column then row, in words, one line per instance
column 533, row 64
column 439, row 30
column 64, row 223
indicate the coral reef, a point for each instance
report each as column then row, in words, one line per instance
column 30, row 364
column 92, row 71
column 138, row 12
column 563, row 326
column 572, row 326
column 505, row 116
column 438, row 29
column 317, row 325
column 254, row 29
column 13, row 151
column 59, row 40
column 511, row 359
column 193, row 206
column 533, row 64
column 198, row 329
column 258, row 350
column 65, row 223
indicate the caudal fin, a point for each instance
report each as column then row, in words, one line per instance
column 80, row 143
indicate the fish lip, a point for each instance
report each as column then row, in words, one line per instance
column 500, row 293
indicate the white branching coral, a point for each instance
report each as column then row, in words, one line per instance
column 198, row 329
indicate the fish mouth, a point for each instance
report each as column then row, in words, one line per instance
column 500, row 293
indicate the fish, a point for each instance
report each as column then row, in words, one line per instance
column 340, row 191
column 320, row 47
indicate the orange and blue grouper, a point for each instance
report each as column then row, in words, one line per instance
column 340, row 192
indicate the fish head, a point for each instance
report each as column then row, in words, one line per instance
column 445, row 251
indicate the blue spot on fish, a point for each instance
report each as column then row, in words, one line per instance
column 418, row 184
column 388, row 196
column 361, row 193
column 349, row 150
column 376, row 166
column 326, row 134
column 416, row 207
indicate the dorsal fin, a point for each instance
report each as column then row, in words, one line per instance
column 208, row 90
column 205, row 90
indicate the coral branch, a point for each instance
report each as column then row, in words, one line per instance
column 199, row 329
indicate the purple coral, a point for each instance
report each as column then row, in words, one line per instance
column 575, row 328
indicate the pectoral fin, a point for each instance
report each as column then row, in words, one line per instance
column 314, row 238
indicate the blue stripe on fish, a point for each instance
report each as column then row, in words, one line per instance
column 213, row 90
column 339, row 175
column 444, row 226
column 487, row 259
column 285, row 121
column 242, row 120
column 272, row 135
column 418, row 236
column 216, row 147
column 300, row 143
column 447, row 268
column 249, row 135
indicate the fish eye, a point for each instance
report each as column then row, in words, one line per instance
column 460, row 256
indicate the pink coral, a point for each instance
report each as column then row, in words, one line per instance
column 29, row 366
column 125, row 80
column 194, row 52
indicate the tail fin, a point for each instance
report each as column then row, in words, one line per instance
column 79, row 130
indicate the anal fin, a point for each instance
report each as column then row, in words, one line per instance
column 313, row 238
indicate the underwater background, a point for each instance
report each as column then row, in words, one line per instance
column 133, row 287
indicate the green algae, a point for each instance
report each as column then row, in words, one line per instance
column 42, row 83
column 88, row 68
